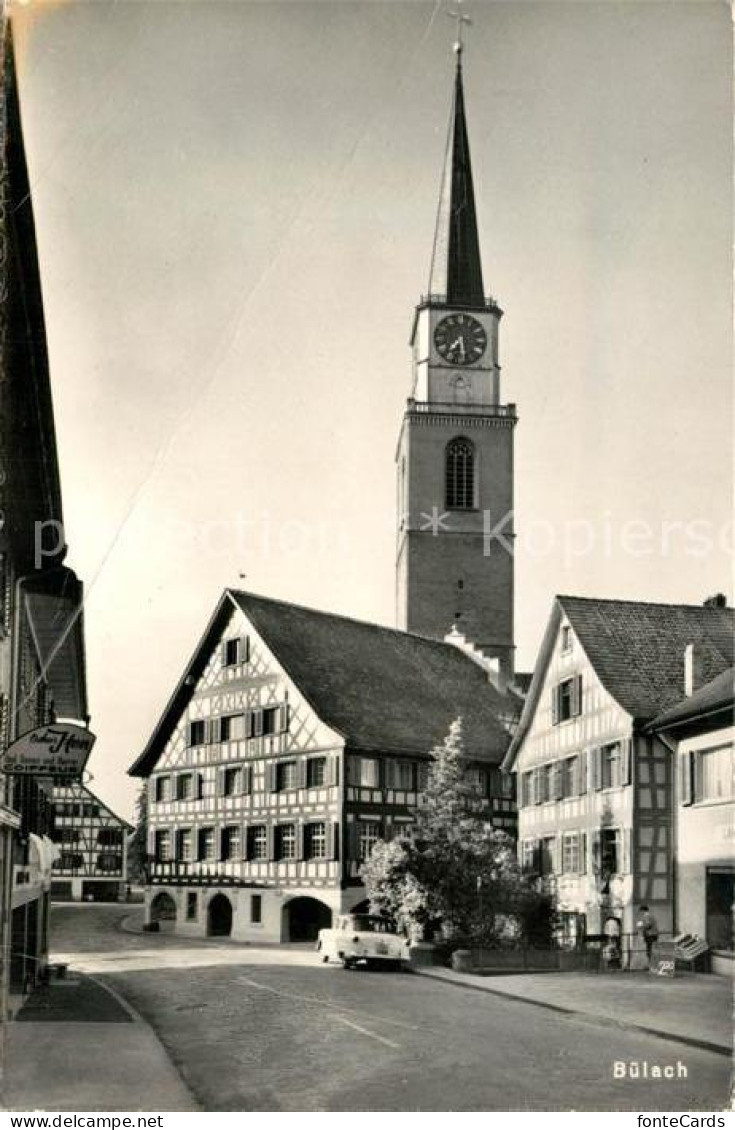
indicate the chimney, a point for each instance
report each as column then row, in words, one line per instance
column 719, row 600
column 695, row 668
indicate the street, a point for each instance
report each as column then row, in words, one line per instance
column 272, row 1029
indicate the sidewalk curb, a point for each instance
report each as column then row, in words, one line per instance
column 688, row 1041
column 137, row 1018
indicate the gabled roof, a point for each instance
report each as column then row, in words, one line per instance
column 77, row 788
column 715, row 697
column 456, row 267
column 380, row 688
column 637, row 651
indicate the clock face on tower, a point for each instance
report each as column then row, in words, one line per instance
column 460, row 339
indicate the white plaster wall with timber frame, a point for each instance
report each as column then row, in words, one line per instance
column 259, row 683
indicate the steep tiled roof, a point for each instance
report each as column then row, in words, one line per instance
column 637, row 649
column 381, row 689
column 716, row 695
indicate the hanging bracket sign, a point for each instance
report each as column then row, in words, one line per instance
column 57, row 750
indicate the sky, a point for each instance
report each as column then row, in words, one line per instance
column 235, row 206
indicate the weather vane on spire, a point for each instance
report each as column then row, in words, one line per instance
column 458, row 15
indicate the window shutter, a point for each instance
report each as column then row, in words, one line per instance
column 215, row 729
column 626, row 767
column 300, row 839
column 596, row 768
column 577, row 689
column 220, row 781
column 331, row 839
column 556, row 782
column 301, row 773
column 625, row 851
column 245, row 649
column 686, row 778
column 151, row 790
column 151, row 846
column 246, row 779
column 258, row 723
column 582, row 853
column 554, row 705
column 536, row 786
column 199, row 785
column 244, row 841
column 270, row 839
column 595, row 850
column 207, row 731
column 582, row 773
column 283, row 718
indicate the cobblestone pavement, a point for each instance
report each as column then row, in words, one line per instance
column 271, row 1029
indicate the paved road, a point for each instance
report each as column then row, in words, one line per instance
column 271, row 1029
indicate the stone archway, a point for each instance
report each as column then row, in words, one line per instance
column 303, row 918
column 219, row 917
column 163, row 911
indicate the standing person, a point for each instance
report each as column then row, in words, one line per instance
column 647, row 927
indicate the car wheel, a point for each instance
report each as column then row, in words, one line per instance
column 348, row 963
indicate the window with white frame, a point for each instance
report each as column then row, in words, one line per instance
column 714, row 774
column 162, row 845
column 185, row 786
column 316, row 772
column 566, row 699
column 400, row 775
column 368, row 832
column 257, row 842
column 363, row 772
column 315, row 840
column 198, row 732
column 184, row 845
column 232, row 781
column 287, row 775
column 568, row 771
column 232, row 727
column 286, row 841
column 571, row 853
column 163, row 789
column 231, row 842
column 527, row 789
column 206, row 844
column 612, row 775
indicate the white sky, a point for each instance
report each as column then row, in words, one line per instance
column 235, row 206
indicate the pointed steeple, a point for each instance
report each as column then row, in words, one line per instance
column 456, row 268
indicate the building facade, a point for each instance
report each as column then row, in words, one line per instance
column 42, row 674
column 91, row 863
column 700, row 733
column 454, row 555
column 294, row 741
column 596, row 789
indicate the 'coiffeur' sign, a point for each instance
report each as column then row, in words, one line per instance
column 58, row 750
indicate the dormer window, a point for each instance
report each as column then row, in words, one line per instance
column 566, row 639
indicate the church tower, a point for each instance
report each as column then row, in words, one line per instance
column 454, row 565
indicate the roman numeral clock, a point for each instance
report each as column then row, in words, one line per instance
column 460, row 339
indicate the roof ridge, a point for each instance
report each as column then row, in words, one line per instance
column 342, row 616
column 646, row 603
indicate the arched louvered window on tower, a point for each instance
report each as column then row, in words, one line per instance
column 459, row 476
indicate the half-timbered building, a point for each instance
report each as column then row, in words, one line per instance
column 595, row 788
column 91, row 862
column 294, row 740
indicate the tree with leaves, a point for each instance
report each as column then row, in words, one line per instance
column 453, row 869
column 138, row 843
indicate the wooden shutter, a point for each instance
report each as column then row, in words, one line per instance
column 596, row 756
column 270, row 841
column 332, row 837
column 283, row 718
column 686, row 778
column 244, row 649
column 582, row 853
column 151, row 790
column 220, row 780
column 556, row 789
column 301, row 773
column 537, row 786
column 554, row 705
column 246, row 779
column 198, row 785
column 626, row 761
column 258, row 723
column 299, row 839
column 244, row 840
column 270, row 776
column 582, row 772
column 216, row 730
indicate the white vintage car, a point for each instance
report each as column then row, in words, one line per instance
column 362, row 939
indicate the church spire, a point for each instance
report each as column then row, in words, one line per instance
column 456, row 268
